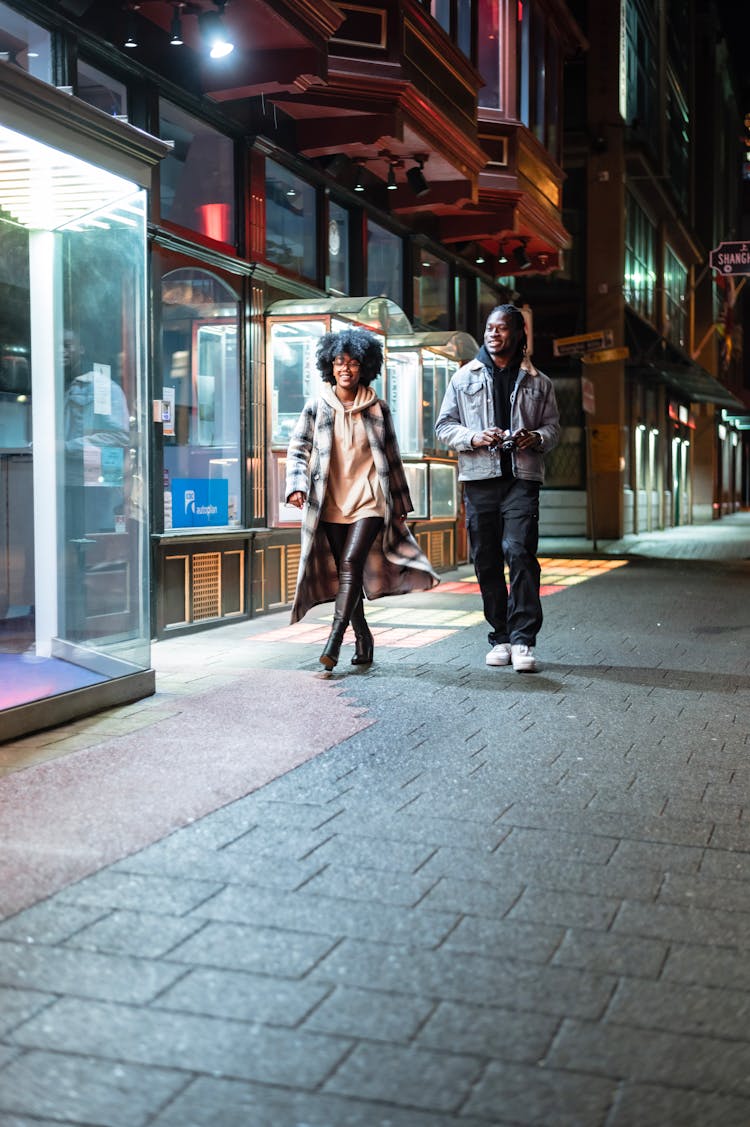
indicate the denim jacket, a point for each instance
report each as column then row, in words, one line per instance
column 468, row 409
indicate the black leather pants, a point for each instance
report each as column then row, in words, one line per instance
column 350, row 546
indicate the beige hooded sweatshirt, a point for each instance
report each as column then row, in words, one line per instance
column 353, row 491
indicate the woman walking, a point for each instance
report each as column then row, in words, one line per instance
column 345, row 470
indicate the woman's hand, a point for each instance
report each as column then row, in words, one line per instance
column 297, row 499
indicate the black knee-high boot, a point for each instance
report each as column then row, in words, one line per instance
column 350, row 559
column 342, row 612
column 363, row 640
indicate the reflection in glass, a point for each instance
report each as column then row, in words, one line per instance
column 98, row 89
column 201, row 385
column 290, row 221
column 416, row 477
column 442, row 490
column 405, row 399
column 431, row 282
column 385, row 268
column 338, row 249
column 25, row 44
column 197, row 178
column 294, row 375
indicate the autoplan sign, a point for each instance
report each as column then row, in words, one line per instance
column 731, row 258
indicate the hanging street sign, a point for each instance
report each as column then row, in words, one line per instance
column 731, row 258
column 606, row 354
column 583, row 343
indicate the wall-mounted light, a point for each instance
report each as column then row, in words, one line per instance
column 214, row 33
column 175, row 35
column 416, row 177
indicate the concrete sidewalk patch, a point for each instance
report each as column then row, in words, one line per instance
column 217, row 747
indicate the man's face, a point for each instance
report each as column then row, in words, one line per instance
column 500, row 337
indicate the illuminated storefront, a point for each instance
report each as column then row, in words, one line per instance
column 74, row 414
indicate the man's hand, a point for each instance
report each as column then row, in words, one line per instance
column 526, row 439
column 491, row 437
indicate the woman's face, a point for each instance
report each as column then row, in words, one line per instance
column 346, row 372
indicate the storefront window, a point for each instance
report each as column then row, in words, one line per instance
column 442, row 491
column 197, row 178
column 385, row 270
column 25, row 44
column 73, row 495
column 201, row 393
column 98, row 89
column 338, row 249
column 431, row 290
column 294, row 375
column 405, row 398
column 290, row 221
column 436, row 375
column 416, row 478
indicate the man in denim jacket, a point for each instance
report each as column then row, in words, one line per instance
column 501, row 415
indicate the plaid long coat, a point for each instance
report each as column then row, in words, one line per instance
column 395, row 564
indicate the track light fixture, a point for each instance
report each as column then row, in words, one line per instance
column 214, row 33
column 520, row 257
column 358, row 185
column 502, row 257
column 131, row 35
column 175, row 35
column 390, row 183
column 416, row 178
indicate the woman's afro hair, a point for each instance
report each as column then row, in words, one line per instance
column 357, row 343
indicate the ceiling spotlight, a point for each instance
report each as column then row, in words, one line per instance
column 520, row 257
column 502, row 257
column 358, row 185
column 479, row 257
column 416, row 178
column 391, row 184
column 175, row 36
column 131, row 38
column 215, row 35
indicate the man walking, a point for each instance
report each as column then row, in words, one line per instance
column 501, row 415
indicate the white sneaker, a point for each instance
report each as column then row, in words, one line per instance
column 499, row 654
column 523, row 659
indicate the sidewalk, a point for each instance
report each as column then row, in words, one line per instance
column 426, row 894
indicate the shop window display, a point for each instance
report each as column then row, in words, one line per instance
column 201, row 397
column 73, row 513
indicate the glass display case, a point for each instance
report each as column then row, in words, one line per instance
column 293, row 330
column 74, row 418
column 425, row 362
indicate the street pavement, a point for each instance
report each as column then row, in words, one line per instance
column 429, row 893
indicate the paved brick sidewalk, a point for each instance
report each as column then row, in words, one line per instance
column 507, row 900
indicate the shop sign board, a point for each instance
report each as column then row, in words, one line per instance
column 200, row 501
column 583, row 343
column 606, row 354
column 731, row 258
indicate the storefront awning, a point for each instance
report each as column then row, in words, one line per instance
column 656, row 358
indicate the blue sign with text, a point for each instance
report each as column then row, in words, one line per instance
column 199, row 501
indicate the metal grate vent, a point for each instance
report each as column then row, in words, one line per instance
column 206, row 586
column 436, row 551
column 293, row 553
